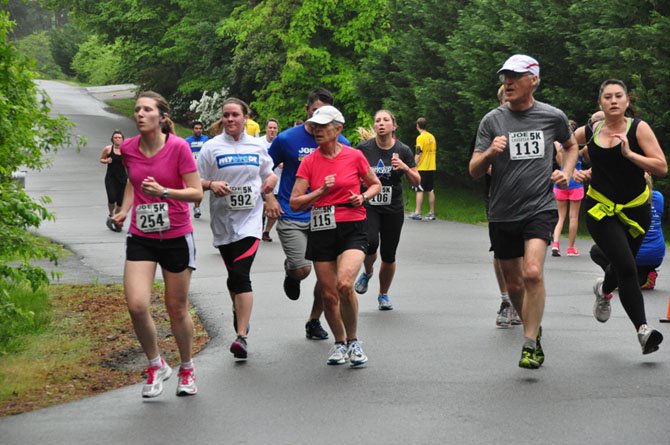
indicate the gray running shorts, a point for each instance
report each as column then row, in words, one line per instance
column 293, row 238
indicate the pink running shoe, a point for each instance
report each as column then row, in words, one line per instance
column 555, row 249
column 573, row 252
column 650, row 284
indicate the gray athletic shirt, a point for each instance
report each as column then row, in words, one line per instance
column 521, row 175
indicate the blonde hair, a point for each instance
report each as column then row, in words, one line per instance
column 366, row 133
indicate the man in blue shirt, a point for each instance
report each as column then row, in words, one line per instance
column 196, row 142
column 290, row 147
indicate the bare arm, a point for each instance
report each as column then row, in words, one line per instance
column 302, row 201
column 191, row 193
column 104, row 156
column 481, row 160
column 653, row 159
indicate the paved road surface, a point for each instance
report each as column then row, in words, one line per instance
column 439, row 371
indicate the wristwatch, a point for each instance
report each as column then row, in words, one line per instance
column 365, row 198
column 165, row 193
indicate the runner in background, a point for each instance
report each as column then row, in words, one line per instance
column 115, row 177
column 390, row 160
column 196, row 141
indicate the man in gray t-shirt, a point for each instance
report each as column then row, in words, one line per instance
column 516, row 141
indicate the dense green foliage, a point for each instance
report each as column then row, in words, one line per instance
column 431, row 58
column 27, row 133
column 36, row 47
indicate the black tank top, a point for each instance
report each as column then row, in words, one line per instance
column 613, row 175
column 116, row 168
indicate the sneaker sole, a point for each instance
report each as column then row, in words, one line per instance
column 361, row 364
column 336, row 362
column 555, row 253
column 503, row 325
column 653, row 341
column 187, row 392
column 574, row 254
column 385, row 308
column 316, row 337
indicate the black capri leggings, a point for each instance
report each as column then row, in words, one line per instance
column 384, row 227
column 115, row 189
column 620, row 248
column 238, row 258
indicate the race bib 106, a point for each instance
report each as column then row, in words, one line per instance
column 152, row 217
column 382, row 198
column 525, row 145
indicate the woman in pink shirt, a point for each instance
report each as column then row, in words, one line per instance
column 163, row 179
column 337, row 240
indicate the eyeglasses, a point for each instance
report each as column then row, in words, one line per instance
column 512, row 75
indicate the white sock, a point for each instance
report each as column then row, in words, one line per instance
column 156, row 362
column 504, row 296
column 187, row 365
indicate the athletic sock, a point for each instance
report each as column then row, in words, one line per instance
column 529, row 343
column 504, row 296
column 187, row 365
column 156, row 362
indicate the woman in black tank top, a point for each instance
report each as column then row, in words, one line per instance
column 115, row 178
column 620, row 150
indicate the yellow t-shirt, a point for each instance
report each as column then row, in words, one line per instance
column 427, row 147
column 252, row 128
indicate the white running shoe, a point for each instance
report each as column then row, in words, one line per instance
column 186, row 382
column 601, row 307
column 155, row 377
column 649, row 339
column 357, row 357
column 338, row 354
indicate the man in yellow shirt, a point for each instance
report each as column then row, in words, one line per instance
column 426, row 149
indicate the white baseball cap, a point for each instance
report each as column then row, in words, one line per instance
column 521, row 63
column 325, row 115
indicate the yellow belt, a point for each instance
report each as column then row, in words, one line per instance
column 606, row 207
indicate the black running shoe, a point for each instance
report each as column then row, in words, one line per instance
column 314, row 330
column 239, row 348
column 292, row 288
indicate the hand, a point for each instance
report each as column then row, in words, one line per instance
column 328, row 183
column 625, row 146
column 219, row 188
column 119, row 218
column 271, row 206
column 498, row 145
column 581, row 176
column 355, row 199
column 560, row 179
column 151, row 187
column 397, row 164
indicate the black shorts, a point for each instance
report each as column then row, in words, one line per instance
column 427, row 181
column 508, row 238
column 327, row 245
column 115, row 190
column 238, row 258
column 173, row 254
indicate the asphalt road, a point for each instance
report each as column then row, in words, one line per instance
column 439, row 370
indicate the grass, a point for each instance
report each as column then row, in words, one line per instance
column 126, row 107
column 87, row 347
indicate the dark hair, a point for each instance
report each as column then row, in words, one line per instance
column 272, row 119
column 320, row 94
column 194, row 123
column 387, row 112
column 630, row 111
column 114, row 133
column 422, row 123
column 240, row 102
column 167, row 126
column 298, row 122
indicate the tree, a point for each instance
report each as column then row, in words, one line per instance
column 27, row 132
